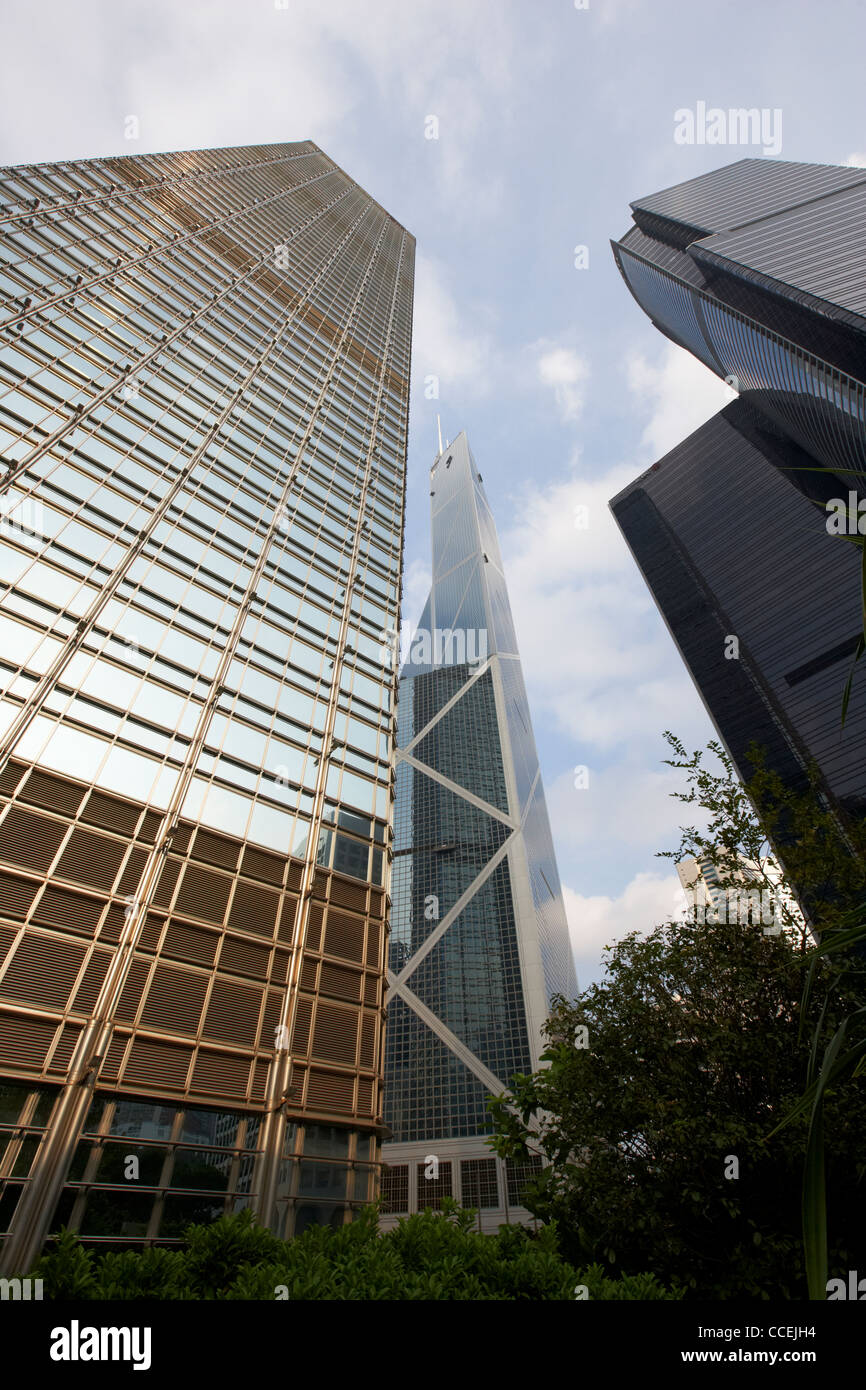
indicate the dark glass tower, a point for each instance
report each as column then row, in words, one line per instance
column 731, row 548
column 758, row 269
column 479, row 939
column 203, row 420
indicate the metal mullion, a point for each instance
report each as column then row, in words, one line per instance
column 150, row 874
column 296, row 364
column 280, row 1070
column 184, row 327
column 36, row 698
column 156, row 253
column 85, row 1065
column 127, row 192
column 267, row 423
column 160, row 347
column 153, row 425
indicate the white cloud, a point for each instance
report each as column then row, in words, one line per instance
column 599, row 664
column 612, row 11
column 444, row 343
column 857, row 161
column 633, row 794
column 204, row 75
column 232, row 72
column 599, row 921
column 604, row 680
column 566, row 372
column 680, row 393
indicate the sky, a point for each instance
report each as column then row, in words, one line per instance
column 509, row 136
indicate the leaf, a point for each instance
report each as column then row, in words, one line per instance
column 815, row 1207
column 838, row 1066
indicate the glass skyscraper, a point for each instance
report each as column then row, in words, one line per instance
column 479, row 939
column 203, row 418
column 758, row 270
column 763, row 604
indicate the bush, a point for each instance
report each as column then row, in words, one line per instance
column 431, row 1255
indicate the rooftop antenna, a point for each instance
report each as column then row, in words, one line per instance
column 439, row 427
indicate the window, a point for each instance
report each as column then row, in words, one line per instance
column 351, row 857
column 395, row 1187
column 479, row 1182
column 328, row 1141
column 431, row 1190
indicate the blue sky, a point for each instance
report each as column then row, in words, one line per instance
column 551, row 118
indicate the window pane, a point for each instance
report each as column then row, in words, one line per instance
column 114, row 1166
column 117, row 1213
column 142, row 1121
column 327, row 1141
column 181, row 1212
column 322, row 1214
column 323, row 1180
column 200, row 1168
column 351, row 857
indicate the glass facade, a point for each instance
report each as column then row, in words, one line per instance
column 757, row 269
column 821, row 408
column 479, row 939
column 203, row 416
column 142, row 1172
column 730, row 546
column 494, row 1187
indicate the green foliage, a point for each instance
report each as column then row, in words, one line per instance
column 631, row 1287
column 431, row 1255
column 146, row 1274
column 68, row 1271
column 218, row 1253
column 842, row 1059
column 695, row 1056
column 825, row 857
column 824, row 852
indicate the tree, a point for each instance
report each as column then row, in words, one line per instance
column 824, row 856
column 657, row 1128
column 824, row 853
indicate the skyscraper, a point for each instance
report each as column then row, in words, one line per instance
column 204, row 413
column 762, row 603
column 756, row 268
column 479, row 940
